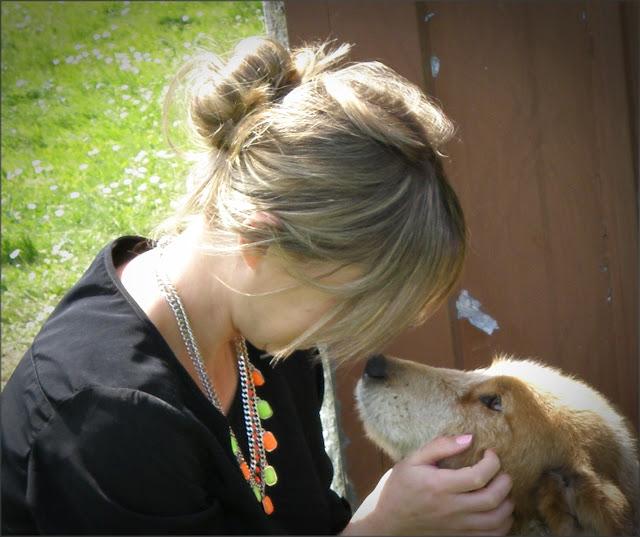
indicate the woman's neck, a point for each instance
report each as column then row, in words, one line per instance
column 205, row 302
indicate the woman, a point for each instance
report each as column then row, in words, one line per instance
column 319, row 216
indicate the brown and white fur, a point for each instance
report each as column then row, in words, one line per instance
column 572, row 458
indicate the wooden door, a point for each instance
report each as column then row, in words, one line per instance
column 544, row 161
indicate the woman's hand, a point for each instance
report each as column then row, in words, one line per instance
column 415, row 497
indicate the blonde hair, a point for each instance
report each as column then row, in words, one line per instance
column 344, row 156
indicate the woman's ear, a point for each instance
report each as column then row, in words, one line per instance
column 577, row 501
column 252, row 256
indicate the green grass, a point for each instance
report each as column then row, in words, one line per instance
column 83, row 156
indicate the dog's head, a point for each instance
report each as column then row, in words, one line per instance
column 571, row 456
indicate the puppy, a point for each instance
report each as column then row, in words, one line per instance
column 572, row 458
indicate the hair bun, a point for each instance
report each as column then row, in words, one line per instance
column 260, row 71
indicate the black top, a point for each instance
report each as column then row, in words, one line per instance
column 104, row 430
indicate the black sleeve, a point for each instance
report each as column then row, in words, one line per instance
column 117, row 460
column 340, row 508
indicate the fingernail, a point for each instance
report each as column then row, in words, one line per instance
column 464, row 439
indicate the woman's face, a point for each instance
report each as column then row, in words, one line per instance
column 273, row 321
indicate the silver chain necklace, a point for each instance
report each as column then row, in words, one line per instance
column 250, row 401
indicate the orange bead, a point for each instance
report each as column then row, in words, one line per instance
column 267, row 505
column 245, row 470
column 258, row 379
column 269, row 441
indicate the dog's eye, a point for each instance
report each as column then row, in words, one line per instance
column 492, row 402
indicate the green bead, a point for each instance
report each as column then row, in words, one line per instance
column 270, row 476
column 234, row 445
column 256, row 491
column 264, row 409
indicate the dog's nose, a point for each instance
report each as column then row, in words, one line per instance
column 376, row 367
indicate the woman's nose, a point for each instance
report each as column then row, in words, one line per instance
column 376, row 367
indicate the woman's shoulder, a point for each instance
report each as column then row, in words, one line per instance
column 95, row 336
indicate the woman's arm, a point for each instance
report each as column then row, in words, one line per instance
column 116, row 460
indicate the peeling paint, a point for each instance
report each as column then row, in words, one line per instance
column 435, row 66
column 469, row 308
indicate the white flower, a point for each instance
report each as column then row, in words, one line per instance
column 65, row 255
column 142, row 187
column 106, row 34
column 55, row 61
column 35, row 163
column 115, row 147
column 59, row 212
column 93, row 152
column 83, row 166
column 154, row 179
column 126, row 182
column 199, row 14
column 74, row 195
column 14, row 254
column 53, row 187
column 20, row 83
column 126, row 97
column 108, row 59
column 31, row 206
column 32, row 276
column 106, row 190
column 114, row 26
column 114, row 184
column 124, row 114
column 96, row 37
column 125, row 11
column 185, row 18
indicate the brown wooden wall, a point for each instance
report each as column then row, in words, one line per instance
column 544, row 96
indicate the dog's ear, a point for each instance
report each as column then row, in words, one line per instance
column 576, row 501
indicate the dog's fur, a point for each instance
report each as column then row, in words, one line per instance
column 572, row 458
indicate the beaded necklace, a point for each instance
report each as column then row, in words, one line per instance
column 258, row 473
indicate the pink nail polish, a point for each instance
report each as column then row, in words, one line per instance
column 464, row 439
